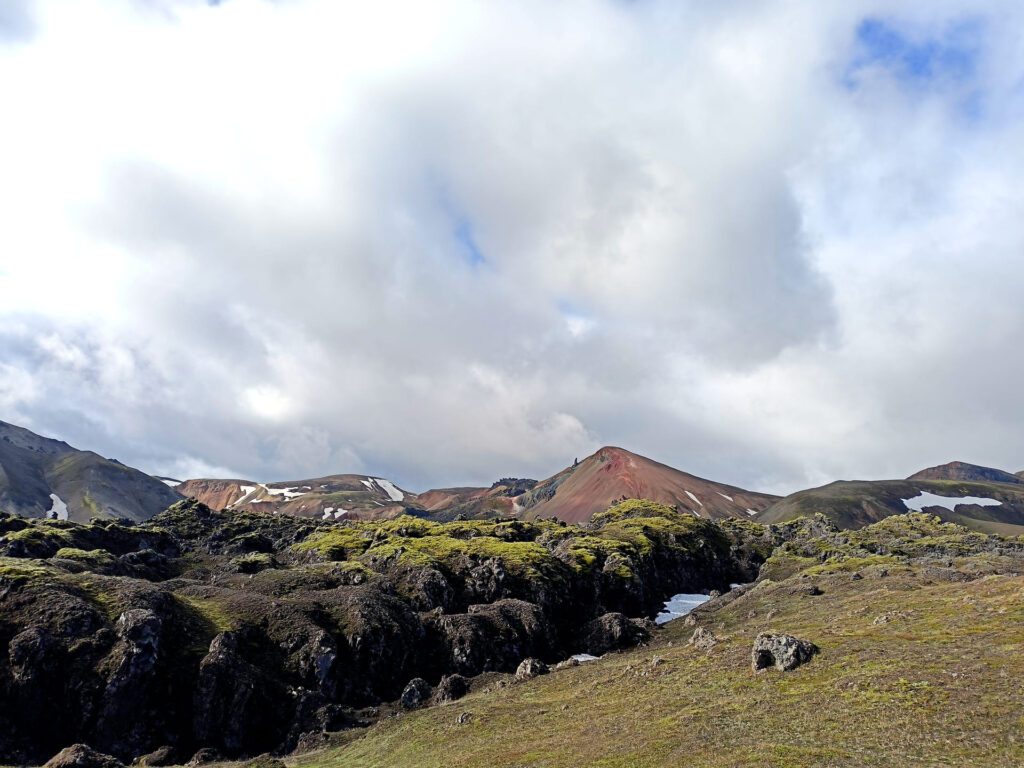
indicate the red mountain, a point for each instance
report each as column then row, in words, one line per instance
column 579, row 492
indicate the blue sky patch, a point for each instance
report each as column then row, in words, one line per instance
column 950, row 56
column 470, row 252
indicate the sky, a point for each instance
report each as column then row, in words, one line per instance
column 773, row 244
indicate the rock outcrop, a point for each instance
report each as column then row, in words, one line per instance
column 82, row 756
column 777, row 650
column 530, row 668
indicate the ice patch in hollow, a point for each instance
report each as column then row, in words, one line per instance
column 679, row 605
column 58, row 510
column 949, row 502
column 695, row 498
column 288, row 493
column 389, row 488
column 246, row 492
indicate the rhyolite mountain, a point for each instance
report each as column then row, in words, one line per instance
column 589, row 487
column 355, row 497
column 575, row 494
column 41, row 477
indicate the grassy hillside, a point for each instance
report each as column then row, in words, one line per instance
column 853, row 504
column 920, row 664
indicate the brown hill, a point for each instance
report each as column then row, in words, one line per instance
column 579, row 492
column 352, row 497
column 961, row 471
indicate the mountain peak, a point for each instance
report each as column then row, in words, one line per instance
column 966, row 472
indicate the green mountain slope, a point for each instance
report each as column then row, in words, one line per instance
column 853, row 504
column 40, row 477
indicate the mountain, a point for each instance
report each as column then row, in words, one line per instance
column 960, row 470
column 983, row 506
column 41, row 477
column 575, row 494
column 352, row 497
column 581, row 491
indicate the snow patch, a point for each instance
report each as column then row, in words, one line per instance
column 695, row 498
column 724, row 496
column 583, row 657
column 170, row 483
column 751, row 511
column 367, row 483
column 58, row 510
column 288, row 493
column 949, row 502
column 340, row 512
column 679, row 605
column 389, row 488
column 246, row 492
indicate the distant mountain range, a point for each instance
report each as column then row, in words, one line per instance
column 41, row 477
column 575, row 494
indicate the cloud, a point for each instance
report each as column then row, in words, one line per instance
column 283, row 239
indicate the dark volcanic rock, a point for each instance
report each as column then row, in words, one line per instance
column 82, row 756
column 492, row 637
column 611, row 632
column 235, row 702
column 780, row 651
column 416, row 693
column 451, row 688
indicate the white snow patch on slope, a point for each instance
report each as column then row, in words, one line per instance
column 949, row 502
column 695, row 498
column 367, row 483
column 340, row 512
column 170, row 483
column 751, row 511
column 389, row 488
column 724, row 496
column 59, row 510
column 288, row 493
column 246, row 492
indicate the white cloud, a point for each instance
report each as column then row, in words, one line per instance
column 293, row 238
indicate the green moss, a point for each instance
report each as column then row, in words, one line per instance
column 93, row 558
column 210, row 610
column 20, row 570
column 341, row 543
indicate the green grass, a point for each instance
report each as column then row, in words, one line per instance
column 938, row 684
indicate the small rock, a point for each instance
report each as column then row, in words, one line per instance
column 82, row 756
column 204, row 756
column 450, row 688
column 565, row 707
column 703, row 639
column 416, row 692
column 855, row 576
column 530, row 668
column 781, row 651
column 463, row 718
column 570, row 662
